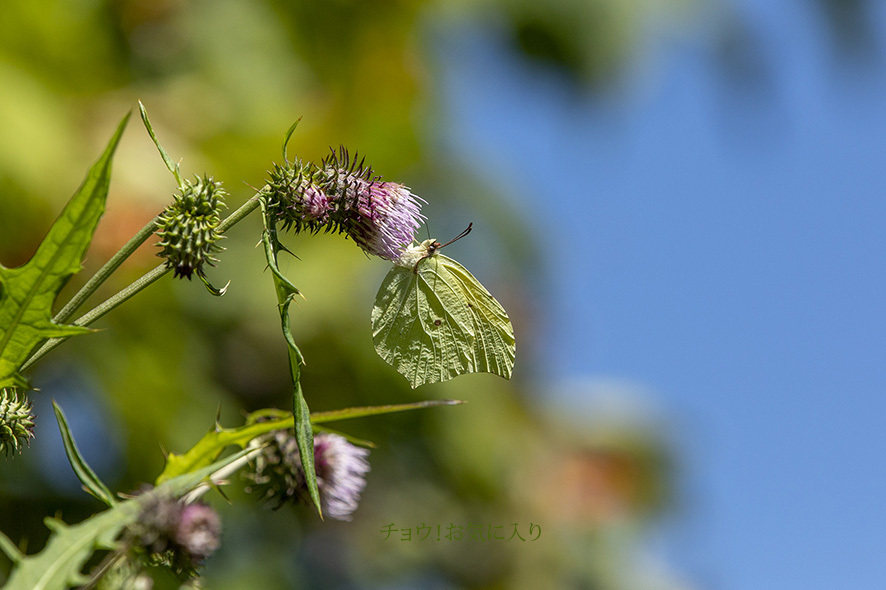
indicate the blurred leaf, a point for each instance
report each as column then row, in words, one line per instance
column 360, row 442
column 28, row 292
column 91, row 482
column 60, row 563
column 348, row 413
column 9, row 549
column 213, row 443
column 263, row 421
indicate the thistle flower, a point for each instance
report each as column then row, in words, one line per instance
column 16, row 421
column 341, row 470
column 343, row 195
column 176, row 534
column 381, row 217
column 341, row 474
column 198, row 531
column 188, row 227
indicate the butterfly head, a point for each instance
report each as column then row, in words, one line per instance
column 411, row 256
column 414, row 254
column 432, row 246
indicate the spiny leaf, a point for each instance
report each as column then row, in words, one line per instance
column 29, row 291
column 213, row 443
column 286, row 292
column 59, row 564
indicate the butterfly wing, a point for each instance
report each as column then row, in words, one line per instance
column 436, row 321
column 419, row 326
column 494, row 347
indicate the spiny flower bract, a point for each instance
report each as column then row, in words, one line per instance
column 16, row 421
column 298, row 199
column 188, row 228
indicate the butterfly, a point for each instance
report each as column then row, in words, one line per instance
column 432, row 320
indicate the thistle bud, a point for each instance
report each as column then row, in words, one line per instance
column 188, row 228
column 341, row 470
column 16, row 421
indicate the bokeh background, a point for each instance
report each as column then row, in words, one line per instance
column 679, row 202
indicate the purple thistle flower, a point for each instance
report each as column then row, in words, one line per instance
column 175, row 534
column 341, row 470
column 341, row 474
column 316, row 205
column 343, row 195
column 383, row 218
column 198, row 531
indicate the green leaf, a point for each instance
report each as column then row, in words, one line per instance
column 360, row 412
column 433, row 321
column 215, row 291
column 59, row 564
column 267, row 420
column 286, row 292
column 288, row 135
column 28, row 292
column 9, row 548
column 91, row 482
column 360, row 442
column 214, row 443
column 170, row 165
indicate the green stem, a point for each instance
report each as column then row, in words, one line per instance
column 104, row 272
column 141, row 283
column 241, row 212
column 100, row 310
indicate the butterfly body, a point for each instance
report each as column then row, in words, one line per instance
column 433, row 320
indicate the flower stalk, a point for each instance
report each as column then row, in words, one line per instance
column 136, row 286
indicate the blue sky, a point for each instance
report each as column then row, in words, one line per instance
column 725, row 249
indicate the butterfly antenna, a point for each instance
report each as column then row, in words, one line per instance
column 466, row 231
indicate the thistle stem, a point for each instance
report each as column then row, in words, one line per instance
column 219, row 477
column 241, row 212
column 128, row 292
column 104, row 272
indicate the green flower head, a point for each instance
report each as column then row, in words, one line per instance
column 188, row 228
column 16, row 421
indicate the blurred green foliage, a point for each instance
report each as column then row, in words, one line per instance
column 222, row 80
